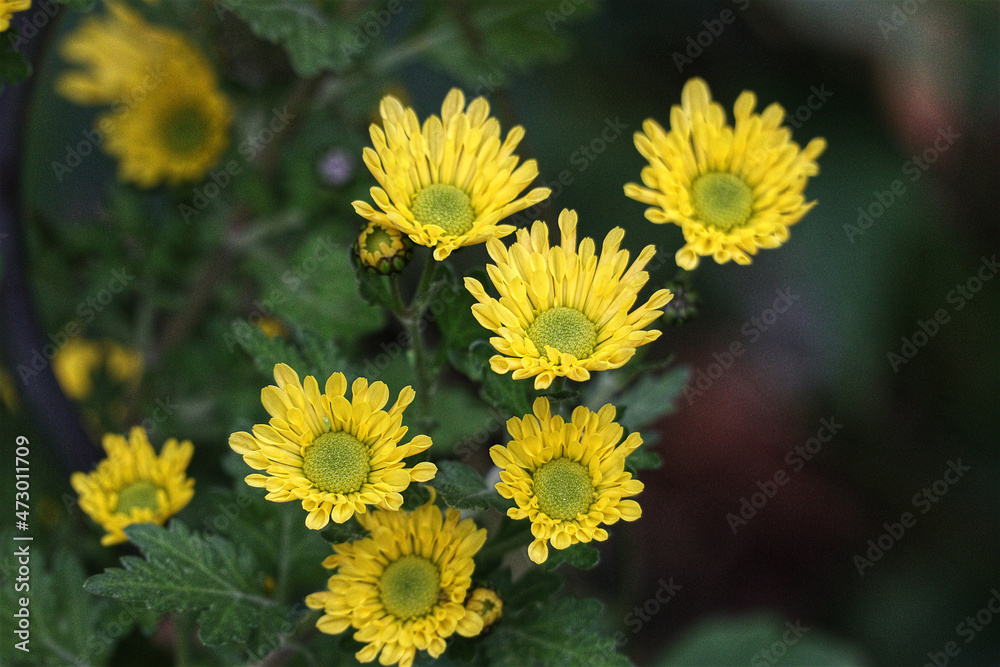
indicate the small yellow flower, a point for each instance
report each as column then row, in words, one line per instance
column 335, row 455
column 74, row 365
column 567, row 478
column 487, row 604
column 732, row 190
column 449, row 183
column 383, row 249
column 124, row 364
column 272, row 327
column 564, row 311
column 133, row 485
column 8, row 392
column 7, row 9
column 403, row 587
column 170, row 122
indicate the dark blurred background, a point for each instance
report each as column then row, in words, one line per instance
column 905, row 92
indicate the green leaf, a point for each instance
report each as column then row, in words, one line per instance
column 462, row 487
column 209, row 576
column 374, row 287
column 318, row 290
column 513, row 397
column 564, row 631
column 14, row 67
column 314, row 43
column 68, row 624
column 581, row 556
column 643, row 459
column 266, row 352
column 651, row 398
column 734, row 641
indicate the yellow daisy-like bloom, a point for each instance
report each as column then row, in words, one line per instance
column 487, row 604
column 383, row 249
column 170, row 122
column 567, row 478
column 564, row 311
column 133, row 485
column 74, row 365
column 732, row 190
column 7, row 9
column 449, row 183
column 335, row 455
column 403, row 588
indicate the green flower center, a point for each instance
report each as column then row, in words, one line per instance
column 563, row 489
column 410, row 587
column 722, row 200
column 137, row 495
column 376, row 238
column 566, row 329
column 185, row 130
column 445, row 206
column 336, row 463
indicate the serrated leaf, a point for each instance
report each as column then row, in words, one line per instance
column 462, row 487
column 314, row 42
column 581, row 556
column 565, row 631
column 643, row 459
column 513, row 397
column 68, row 624
column 651, row 398
column 209, row 576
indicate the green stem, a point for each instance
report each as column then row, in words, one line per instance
column 411, row 317
column 182, row 640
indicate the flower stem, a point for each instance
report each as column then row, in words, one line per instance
column 412, row 318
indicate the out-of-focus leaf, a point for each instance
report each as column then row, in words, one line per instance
column 463, row 488
column 753, row 640
column 581, row 556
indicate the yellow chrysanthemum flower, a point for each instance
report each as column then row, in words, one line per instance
column 567, row 478
column 133, row 485
column 170, row 122
column 382, row 249
column 335, row 455
column 732, row 190
column 487, row 604
column 74, row 365
column 403, row 588
column 564, row 311
column 7, row 9
column 449, row 183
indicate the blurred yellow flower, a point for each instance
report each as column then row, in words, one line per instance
column 403, row 587
column 124, row 364
column 169, row 122
column 335, row 455
column 567, row 478
column 564, row 311
column 7, row 9
column 449, row 183
column 74, row 365
column 133, row 485
column 732, row 190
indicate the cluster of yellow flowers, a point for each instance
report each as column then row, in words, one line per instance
column 561, row 310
